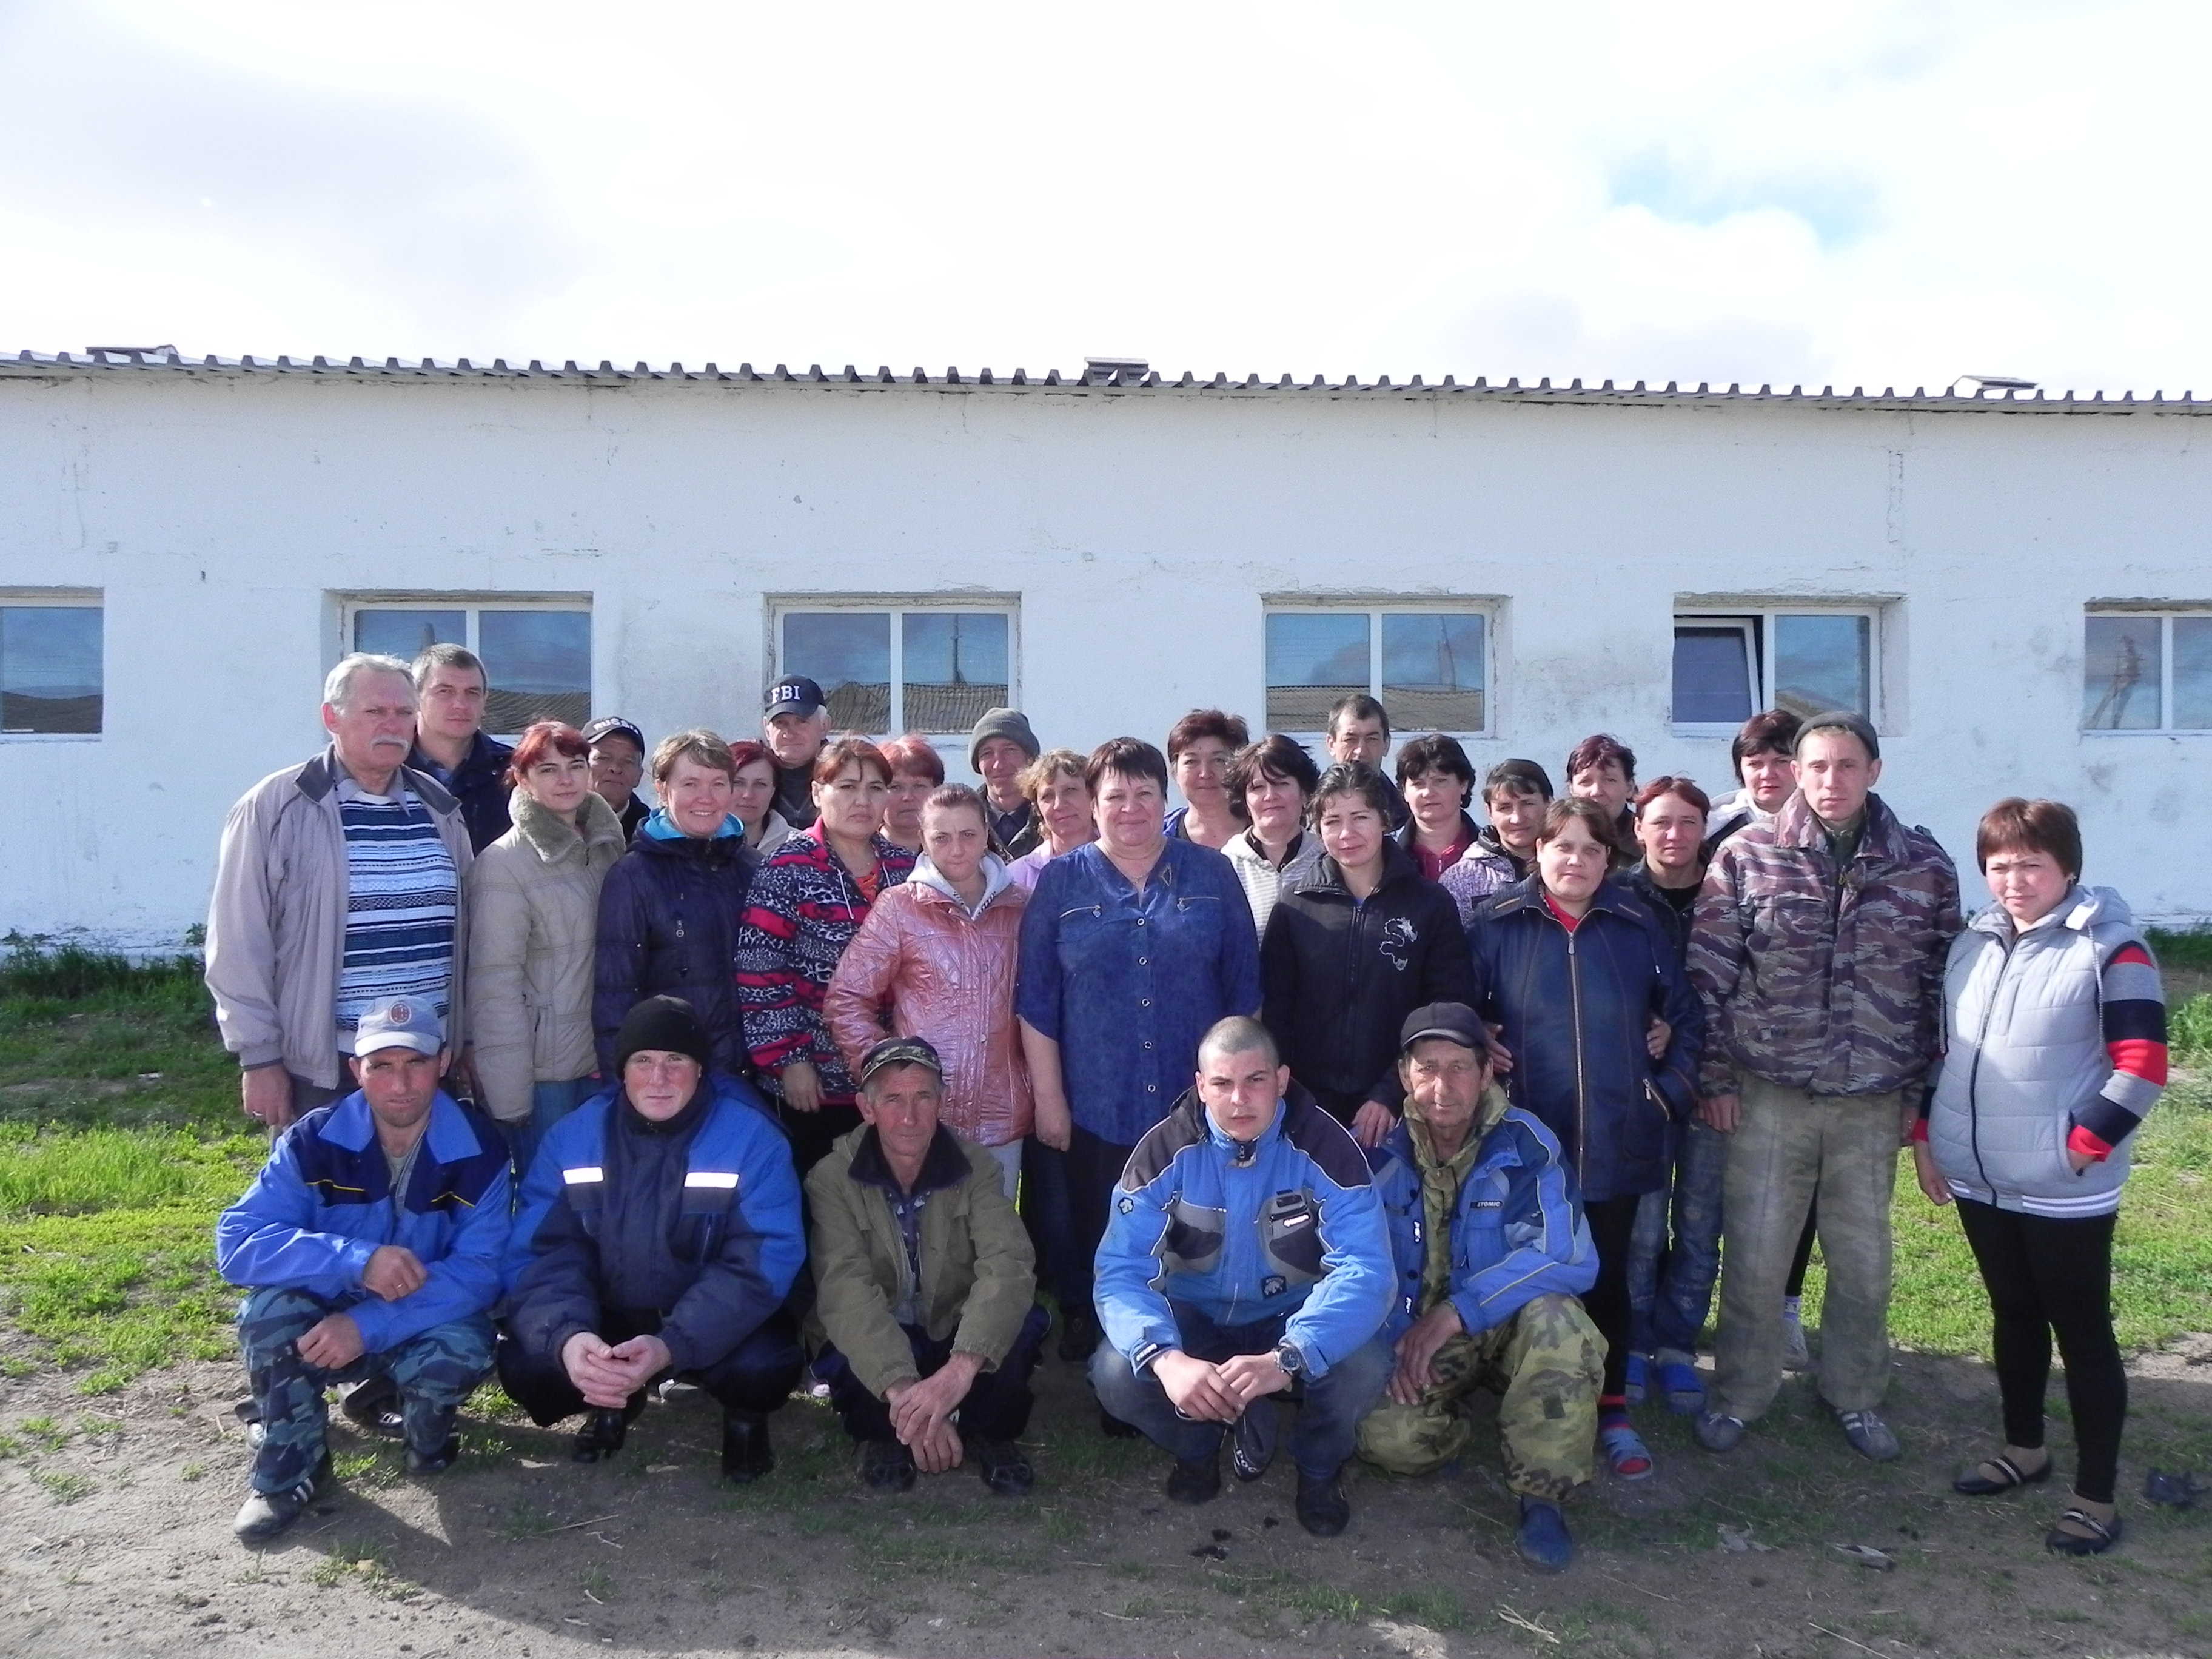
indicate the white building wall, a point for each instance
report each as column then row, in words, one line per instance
column 1141, row 531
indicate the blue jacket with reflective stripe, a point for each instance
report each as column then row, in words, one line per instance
column 697, row 1221
column 1287, row 1224
column 322, row 1206
column 1517, row 1230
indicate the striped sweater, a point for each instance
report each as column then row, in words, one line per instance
column 403, row 899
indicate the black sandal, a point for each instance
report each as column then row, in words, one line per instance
column 1974, row 1484
column 2101, row 1537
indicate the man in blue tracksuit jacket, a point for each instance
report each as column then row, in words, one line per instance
column 1492, row 1253
column 371, row 1242
column 658, row 1236
column 1246, row 1258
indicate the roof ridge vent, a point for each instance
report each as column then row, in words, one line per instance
column 1972, row 386
column 1114, row 371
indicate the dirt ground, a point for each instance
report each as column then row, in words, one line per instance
column 114, row 1538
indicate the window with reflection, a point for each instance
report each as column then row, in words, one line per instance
column 2147, row 670
column 1728, row 668
column 1427, row 665
column 538, row 657
column 895, row 669
column 52, row 676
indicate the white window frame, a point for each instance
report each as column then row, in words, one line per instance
column 2166, row 618
column 1761, row 620
column 897, row 606
column 471, row 604
column 1375, row 609
column 62, row 598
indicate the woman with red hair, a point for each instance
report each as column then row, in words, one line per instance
column 533, row 899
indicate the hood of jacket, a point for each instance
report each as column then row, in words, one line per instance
column 995, row 882
column 2083, row 909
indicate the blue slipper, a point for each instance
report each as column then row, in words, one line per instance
column 1543, row 1541
column 1684, row 1386
column 1639, row 1376
column 1625, row 1451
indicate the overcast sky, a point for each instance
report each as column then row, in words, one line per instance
column 1865, row 193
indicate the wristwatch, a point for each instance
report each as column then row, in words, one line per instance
column 1292, row 1362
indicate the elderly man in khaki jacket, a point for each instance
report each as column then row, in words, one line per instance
column 924, row 1285
column 337, row 887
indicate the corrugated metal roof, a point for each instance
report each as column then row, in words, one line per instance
column 34, row 364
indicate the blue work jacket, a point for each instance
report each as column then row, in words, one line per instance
column 323, row 1205
column 696, row 1220
column 1285, row 1225
column 1516, row 1230
column 1127, row 982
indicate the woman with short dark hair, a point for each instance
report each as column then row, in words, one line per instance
column 807, row 902
column 2054, row 1022
column 753, row 797
column 1574, row 967
column 1132, row 947
column 1354, row 949
column 1270, row 784
column 1436, row 781
column 1200, row 746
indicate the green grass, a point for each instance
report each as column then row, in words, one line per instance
column 120, row 1138
column 2190, row 948
column 2162, row 1259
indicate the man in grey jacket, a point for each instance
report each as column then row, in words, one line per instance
column 337, row 887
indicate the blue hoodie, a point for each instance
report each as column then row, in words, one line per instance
column 1287, row 1223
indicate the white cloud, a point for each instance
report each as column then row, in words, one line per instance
column 1875, row 193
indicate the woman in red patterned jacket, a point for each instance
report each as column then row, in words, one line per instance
column 807, row 903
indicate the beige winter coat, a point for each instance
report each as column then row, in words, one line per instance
column 533, row 918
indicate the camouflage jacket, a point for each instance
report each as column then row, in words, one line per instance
column 1839, row 991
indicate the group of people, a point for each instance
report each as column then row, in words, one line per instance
column 1314, row 1105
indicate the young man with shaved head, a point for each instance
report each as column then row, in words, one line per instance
column 1245, row 1265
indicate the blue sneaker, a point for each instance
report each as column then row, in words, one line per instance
column 1639, row 1379
column 1543, row 1541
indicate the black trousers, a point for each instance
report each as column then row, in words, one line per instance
column 997, row 1403
column 2048, row 1276
column 1051, row 1226
column 813, row 1133
column 1093, row 1166
column 755, row 1375
column 1613, row 1227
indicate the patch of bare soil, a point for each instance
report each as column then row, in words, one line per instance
column 115, row 1539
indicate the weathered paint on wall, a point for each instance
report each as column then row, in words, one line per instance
column 1142, row 532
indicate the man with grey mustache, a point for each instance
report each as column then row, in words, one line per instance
column 338, row 888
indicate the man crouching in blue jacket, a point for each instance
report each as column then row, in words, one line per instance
column 1492, row 1252
column 658, row 1236
column 1246, row 1258
column 371, row 1240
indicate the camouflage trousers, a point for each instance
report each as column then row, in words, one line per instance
column 434, row 1372
column 1547, row 1362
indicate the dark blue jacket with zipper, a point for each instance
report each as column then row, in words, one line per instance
column 1576, row 1007
column 669, row 912
column 694, row 1219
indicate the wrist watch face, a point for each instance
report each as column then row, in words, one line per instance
column 1287, row 1356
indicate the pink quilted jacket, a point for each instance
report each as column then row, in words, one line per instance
column 921, row 966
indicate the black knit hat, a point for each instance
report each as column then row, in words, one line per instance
column 668, row 1024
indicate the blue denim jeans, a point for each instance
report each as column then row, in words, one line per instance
column 1670, row 1284
column 548, row 1103
column 1329, row 1407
